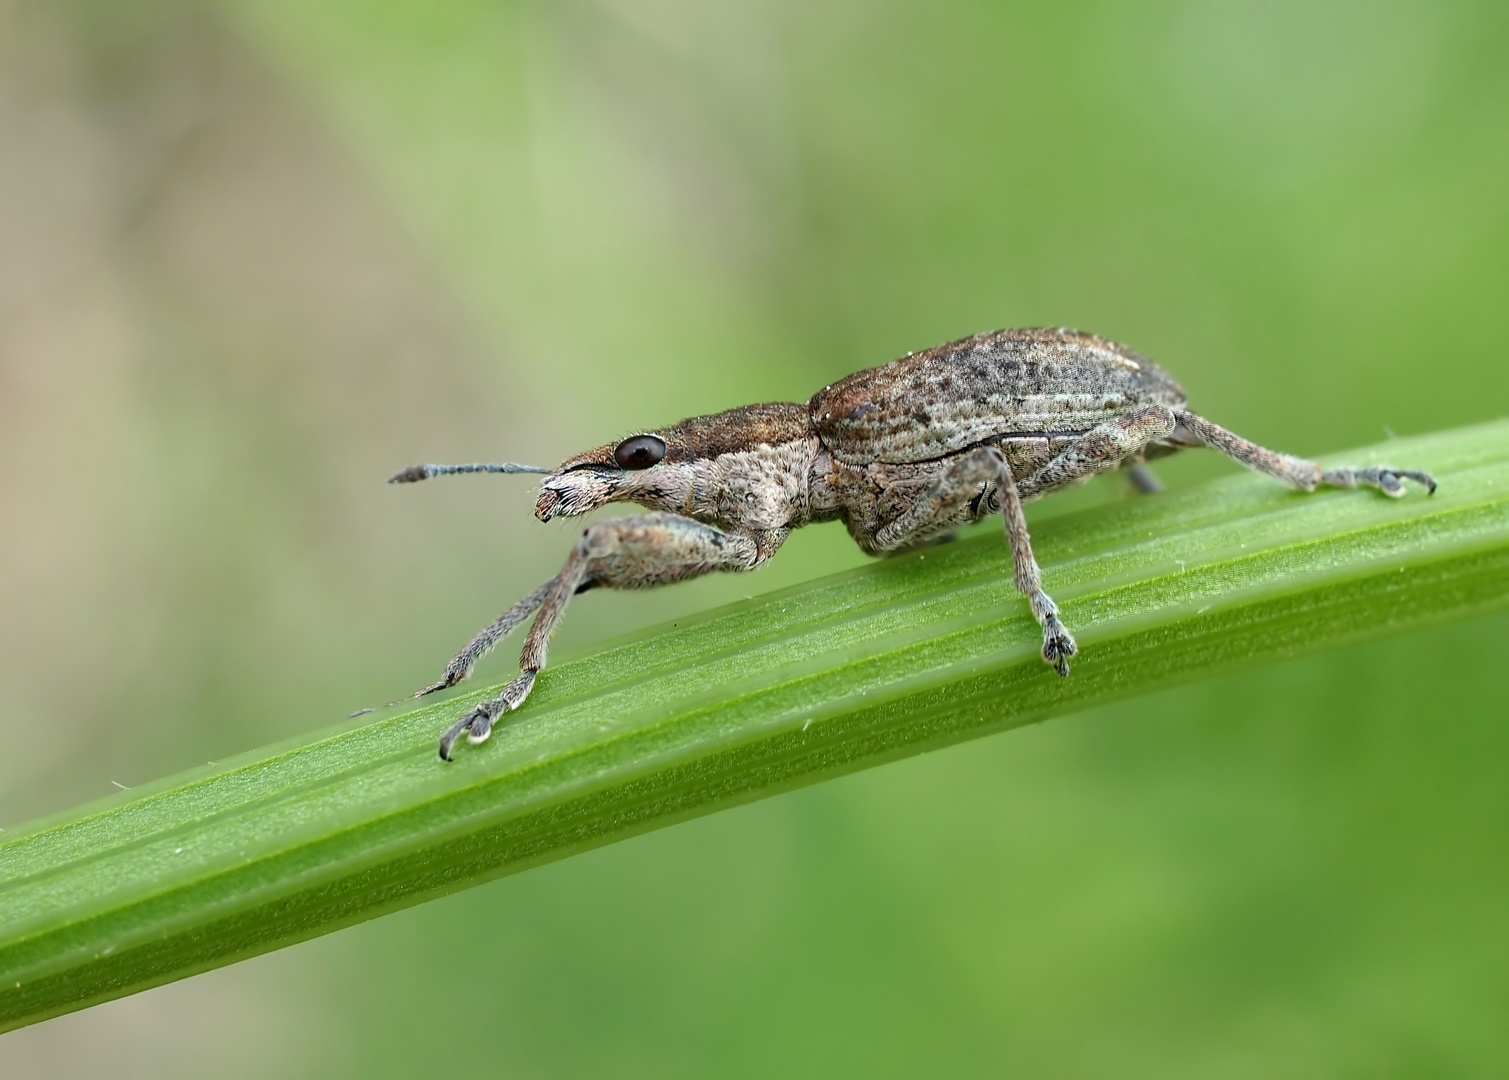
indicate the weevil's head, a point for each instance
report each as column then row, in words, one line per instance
column 669, row 468
column 631, row 470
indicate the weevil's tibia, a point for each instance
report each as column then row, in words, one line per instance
column 462, row 663
column 415, row 473
column 460, row 667
column 1297, row 472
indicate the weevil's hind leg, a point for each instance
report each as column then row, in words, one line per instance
column 1297, row 472
column 622, row 553
column 1144, row 480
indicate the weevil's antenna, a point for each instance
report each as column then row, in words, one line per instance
column 415, row 473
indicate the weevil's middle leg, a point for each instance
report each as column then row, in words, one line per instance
column 963, row 484
column 1095, row 451
column 1144, row 480
column 1297, row 472
column 1058, row 643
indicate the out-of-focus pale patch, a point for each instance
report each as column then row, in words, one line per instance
column 227, row 1024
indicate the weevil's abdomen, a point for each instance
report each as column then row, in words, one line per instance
column 1010, row 382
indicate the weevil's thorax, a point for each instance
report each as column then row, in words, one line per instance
column 761, row 489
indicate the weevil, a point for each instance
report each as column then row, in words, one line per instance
column 903, row 454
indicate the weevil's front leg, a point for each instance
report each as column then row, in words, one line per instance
column 460, row 667
column 635, row 552
column 1297, row 472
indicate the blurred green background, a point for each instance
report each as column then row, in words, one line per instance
column 257, row 254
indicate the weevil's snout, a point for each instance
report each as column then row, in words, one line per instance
column 575, row 491
column 601, row 476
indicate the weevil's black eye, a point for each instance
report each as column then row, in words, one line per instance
column 640, row 452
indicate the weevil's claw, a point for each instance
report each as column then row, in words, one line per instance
column 1420, row 478
column 453, row 733
column 361, row 712
column 1058, row 645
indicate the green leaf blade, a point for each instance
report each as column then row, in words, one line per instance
column 284, row 844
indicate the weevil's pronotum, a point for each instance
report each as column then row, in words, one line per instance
column 903, row 454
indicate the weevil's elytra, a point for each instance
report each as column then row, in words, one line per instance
column 903, row 454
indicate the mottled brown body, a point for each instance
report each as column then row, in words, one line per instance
column 1031, row 384
column 902, row 453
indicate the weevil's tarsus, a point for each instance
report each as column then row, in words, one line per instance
column 1058, row 646
column 1385, row 478
column 903, row 454
column 478, row 724
column 415, row 473
column 453, row 733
